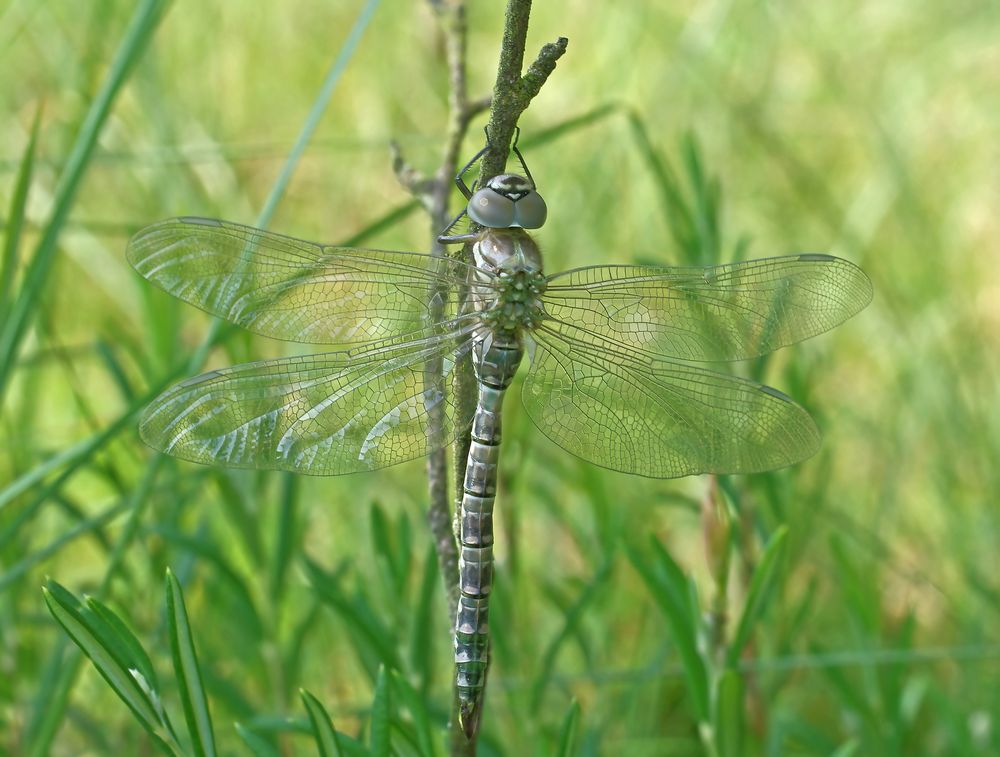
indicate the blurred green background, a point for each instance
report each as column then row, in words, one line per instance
column 865, row 129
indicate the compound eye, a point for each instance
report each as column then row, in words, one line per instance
column 530, row 211
column 491, row 209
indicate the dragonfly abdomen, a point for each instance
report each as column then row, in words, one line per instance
column 497, row 356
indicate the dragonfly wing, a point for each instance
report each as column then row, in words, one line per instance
column 638, row 413
column 330, row 414
column 288, row 288
column 728, row 312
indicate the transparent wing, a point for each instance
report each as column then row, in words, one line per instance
column 292, row 289
column 329, row 414
column 638, row 413
column 727, row 312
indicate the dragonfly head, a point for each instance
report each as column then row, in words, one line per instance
column 506, row 201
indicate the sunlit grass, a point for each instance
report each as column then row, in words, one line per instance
column 867, row 130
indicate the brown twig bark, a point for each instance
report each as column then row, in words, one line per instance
column 513, row 91
column 511, row 95
column 434, row 192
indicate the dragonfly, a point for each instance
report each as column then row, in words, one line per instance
column 616, row 377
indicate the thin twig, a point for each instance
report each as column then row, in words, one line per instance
column 511, row 95
column 513, row 92
column 433, row 193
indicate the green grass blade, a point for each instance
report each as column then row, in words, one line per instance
column 761, row 585
column 573, row 617
column 18, row 569
column 295, row 154
column 258, row 745
column 316, row 112
column 383, row 548
column 381, row 707
column 131, row 645
column 287, row 539
column 416, row 703
column 106, row 354
column 73, row 458
column 15, row 218
column 327, row 740
column 111, row 659
column 239, row 602
column 568, row 732
column 676, row 208
column 852, row 747
column 423, row 626
column 574, row 123
column 144, row 21
column 729, row 714
column 385, row 221
column 58, row 674
column 189, row 679
column 50, row 707
column 372, row 637
column 672, row 591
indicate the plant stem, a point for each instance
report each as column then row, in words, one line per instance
column 433, row 193
column 511, row 95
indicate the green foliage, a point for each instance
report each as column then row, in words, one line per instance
column 326, row 737
column 189, row 683
column 677, row 597
column 118, row 657
column 849, row 605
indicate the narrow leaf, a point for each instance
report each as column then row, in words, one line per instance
column 384, row 549
column 758, row 594
column 125, row 682
column 422, row 630
column 672, row 591
column 287, row 535
column 15, row 217
column 568, row 732
column 88, row 526
column 137, row 656
column 13, row 328
column 560, row 129
column 187, row 672
column 380, row 716
column 327, row 740
column 258, row 745
column 573, row 616
column 849, row 748
column 330, row 81
column 729, row 714
column 416, row 703
column 115, row 369
column 371, row 634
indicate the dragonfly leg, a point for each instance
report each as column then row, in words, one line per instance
column 520, row 157
column 460, row 177
column 445, row 238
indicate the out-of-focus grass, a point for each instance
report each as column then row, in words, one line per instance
column 867, row 130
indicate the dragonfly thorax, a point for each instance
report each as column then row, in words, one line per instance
column 506, row 251
column 515, row 262
column 507, row 201
column 518, row 304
